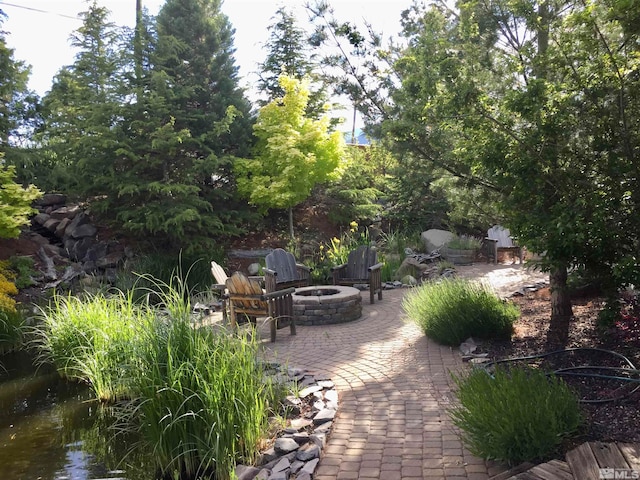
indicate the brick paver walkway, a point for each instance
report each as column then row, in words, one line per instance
column 394, row 386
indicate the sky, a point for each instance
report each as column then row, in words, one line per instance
column 38, row 30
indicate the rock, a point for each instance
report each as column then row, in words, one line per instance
column 319, row 439
column 285, row 445
column 283, row 464
column 253, row 269
column 262, row 475
column 296, row 466
column 79, row 220
column 96, row 252
column 308, row 452
column 303, row 476
column 51, row 224
column 79, row 249
column 331, row 395
column 50, row 199
column 41, row 219
column 310, row 467
column 409, row 280
column 268, row 456
column 66, row 212
column 245, row 472
column 62, row 226
column 434, row 238
column 324, row 416
column 300, row 423
column 82, row 231
column 309, row 390
column 279, row 475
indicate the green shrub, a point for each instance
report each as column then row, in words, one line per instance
column 452, row 310
column 12, row 328
column 24, row 268
column 518, row 415
column 464, row 242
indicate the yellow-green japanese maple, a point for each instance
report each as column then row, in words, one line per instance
column 292, row 154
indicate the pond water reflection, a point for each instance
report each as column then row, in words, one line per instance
column 55, row 430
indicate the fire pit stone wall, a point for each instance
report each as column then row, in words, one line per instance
column 323, row 305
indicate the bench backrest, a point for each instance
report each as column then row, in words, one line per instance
column 359, row 262
column 502, row 235
column 284, row 264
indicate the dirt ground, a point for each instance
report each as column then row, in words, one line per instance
column 611, row 408
column 504, row 279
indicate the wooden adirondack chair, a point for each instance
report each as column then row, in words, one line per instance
column 221, row 286
column 499, row 238
column 362, row 267
column 246, row 297
column 283, row 271
column 221, row 278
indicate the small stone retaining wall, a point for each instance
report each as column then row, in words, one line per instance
column 325, row 305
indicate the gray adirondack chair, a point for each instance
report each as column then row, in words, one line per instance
column 246, row 297
column 499, row 238
column 283, row 271
column 362, row 267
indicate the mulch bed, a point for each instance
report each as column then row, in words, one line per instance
column 616, row 420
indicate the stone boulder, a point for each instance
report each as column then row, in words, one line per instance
column 434, row 239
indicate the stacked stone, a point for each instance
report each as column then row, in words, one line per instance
column 67, row 237
column 296, row 452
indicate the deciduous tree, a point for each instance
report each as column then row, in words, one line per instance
column 293, row 152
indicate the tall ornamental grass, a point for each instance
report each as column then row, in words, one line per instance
column 519, row 415
column 92, row 338
column 453, row 310
column 201, row 400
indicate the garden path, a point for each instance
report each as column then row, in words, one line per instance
column 395, row 387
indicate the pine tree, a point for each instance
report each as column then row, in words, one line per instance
column 288, row 53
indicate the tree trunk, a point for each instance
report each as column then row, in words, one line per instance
column 137, row 50
column 291, row 224
column 561, row 311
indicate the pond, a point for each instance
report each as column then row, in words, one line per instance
column 55, row 430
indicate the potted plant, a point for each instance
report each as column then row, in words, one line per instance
column 461, row 249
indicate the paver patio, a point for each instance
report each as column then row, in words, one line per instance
column 395, row 386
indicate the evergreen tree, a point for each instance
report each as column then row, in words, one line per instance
column 82, row 109
column 288, row 53
column 17, row 104
column 181, row 130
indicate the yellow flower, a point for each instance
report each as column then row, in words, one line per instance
column 321, row 247
column 335, row 240
column 354, row 225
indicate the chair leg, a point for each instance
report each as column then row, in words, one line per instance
column 292, row 325
column 232, row 316
column 371, row 293
column 379, row 293
column 274, row 328
column 225, row 316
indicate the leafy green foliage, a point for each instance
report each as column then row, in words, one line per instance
column 517, row 415
column 453, row 310
column 542, row 121
column 359, row 191
column 15, row 202
column 293, row 152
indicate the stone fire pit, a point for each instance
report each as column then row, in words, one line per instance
column 323, row 305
